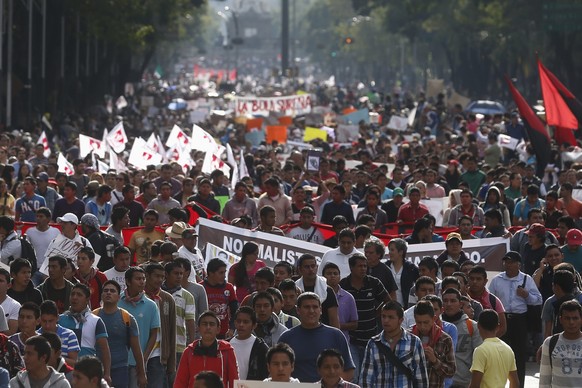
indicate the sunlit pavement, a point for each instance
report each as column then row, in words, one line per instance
column 532, row 375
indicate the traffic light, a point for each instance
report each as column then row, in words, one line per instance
column 349, row 40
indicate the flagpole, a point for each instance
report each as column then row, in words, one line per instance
column 9, row 65
column 1, row 51
column 43, row 58
column 28, row 86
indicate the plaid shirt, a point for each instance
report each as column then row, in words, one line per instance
column 378, row 372
column 445, row 365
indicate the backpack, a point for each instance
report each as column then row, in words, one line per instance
column 553, row 342
column 470, row 327
column 26, row 252
column 126, row 316
column 492, row 301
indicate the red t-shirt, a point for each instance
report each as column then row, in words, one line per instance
column 219, row 299
column 95, row 286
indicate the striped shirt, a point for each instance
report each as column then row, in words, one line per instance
column 367, row 298
column 185, row 310
column 565, row 369
column 69, row 342
column 377, row 371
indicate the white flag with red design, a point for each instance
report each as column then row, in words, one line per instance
column 507, row 141
column 45, row 143
column 64, row 165
column 243, row 171
column 213, row 162
column 102, row 167
column 178, row 138
column 87, row 144
column 155, row 143
column 230, row 159
column 142, row 155
column 202, row 141
column 116, row 163
column 117, row 138
column 186, row 162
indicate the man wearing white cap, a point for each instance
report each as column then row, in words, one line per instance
column 68, row 243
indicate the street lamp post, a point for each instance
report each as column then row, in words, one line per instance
column 232, row 42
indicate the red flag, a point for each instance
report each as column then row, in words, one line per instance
column 535, row 128
column 558, row 113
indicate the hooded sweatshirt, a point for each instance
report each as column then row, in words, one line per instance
column 56, row 380
column 218, row 358
column 467, row 340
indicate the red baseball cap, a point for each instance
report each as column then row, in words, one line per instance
column 574, row 237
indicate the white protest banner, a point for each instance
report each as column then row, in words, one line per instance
column 117, row 138
column 273, row 249
column 398, row 123
column 87, row 144
column 64, row 165
column 436, row 207
column 287, row 105
column 142, row 156
column 67, row 248
column 212, row 252
column 486, row 252
column 507, row 141
column 43, row 139
column 115, row 163
column 299, row 144
column 347, row 133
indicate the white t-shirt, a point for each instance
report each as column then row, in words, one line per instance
column 3, row 320
column 337, row 257
column 242, row 351
column 299, row 233
column 11, row 308
column 397, row 277
column 196, row 260
column 41, row 240
column 116, row 196
column 119, row 277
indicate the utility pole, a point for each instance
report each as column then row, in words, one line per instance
column 284, row 36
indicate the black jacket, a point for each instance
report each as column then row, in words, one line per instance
column 99, row 241
column 407, row 280
column 258, row 361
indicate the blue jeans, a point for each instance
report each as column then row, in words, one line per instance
column 120, row 376
column 358, row 352
column 156, row 373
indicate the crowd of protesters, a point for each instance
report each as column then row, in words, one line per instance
column 155, row 313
